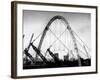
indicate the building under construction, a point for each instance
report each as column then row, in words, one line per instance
column 48, row 51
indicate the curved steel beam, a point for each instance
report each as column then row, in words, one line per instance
column 47, row 27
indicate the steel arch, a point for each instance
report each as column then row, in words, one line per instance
column 68, row 27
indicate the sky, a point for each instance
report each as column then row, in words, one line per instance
column 36, row 21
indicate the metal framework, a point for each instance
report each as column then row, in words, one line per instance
column 68, row 27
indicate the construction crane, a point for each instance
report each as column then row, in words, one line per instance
column 29, row 55
column 39, row 53
column 56, row 59
column 36, row 50
column 26, row 51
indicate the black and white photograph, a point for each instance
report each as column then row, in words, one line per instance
column 56, row 39
column 53, row 39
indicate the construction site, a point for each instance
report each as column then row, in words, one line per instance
column 56, row 48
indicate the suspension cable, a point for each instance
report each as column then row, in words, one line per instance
column 82, row 52
column 58, row 37
column 82, row 46
column 81, row 40
column 37, row 37
column 59, row 40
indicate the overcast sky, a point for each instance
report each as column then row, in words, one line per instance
column 36, row 21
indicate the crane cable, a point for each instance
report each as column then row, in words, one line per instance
column 37, row 37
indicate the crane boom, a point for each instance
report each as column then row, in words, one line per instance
column 54, row 57
column 29, row 55
column 39, row 53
